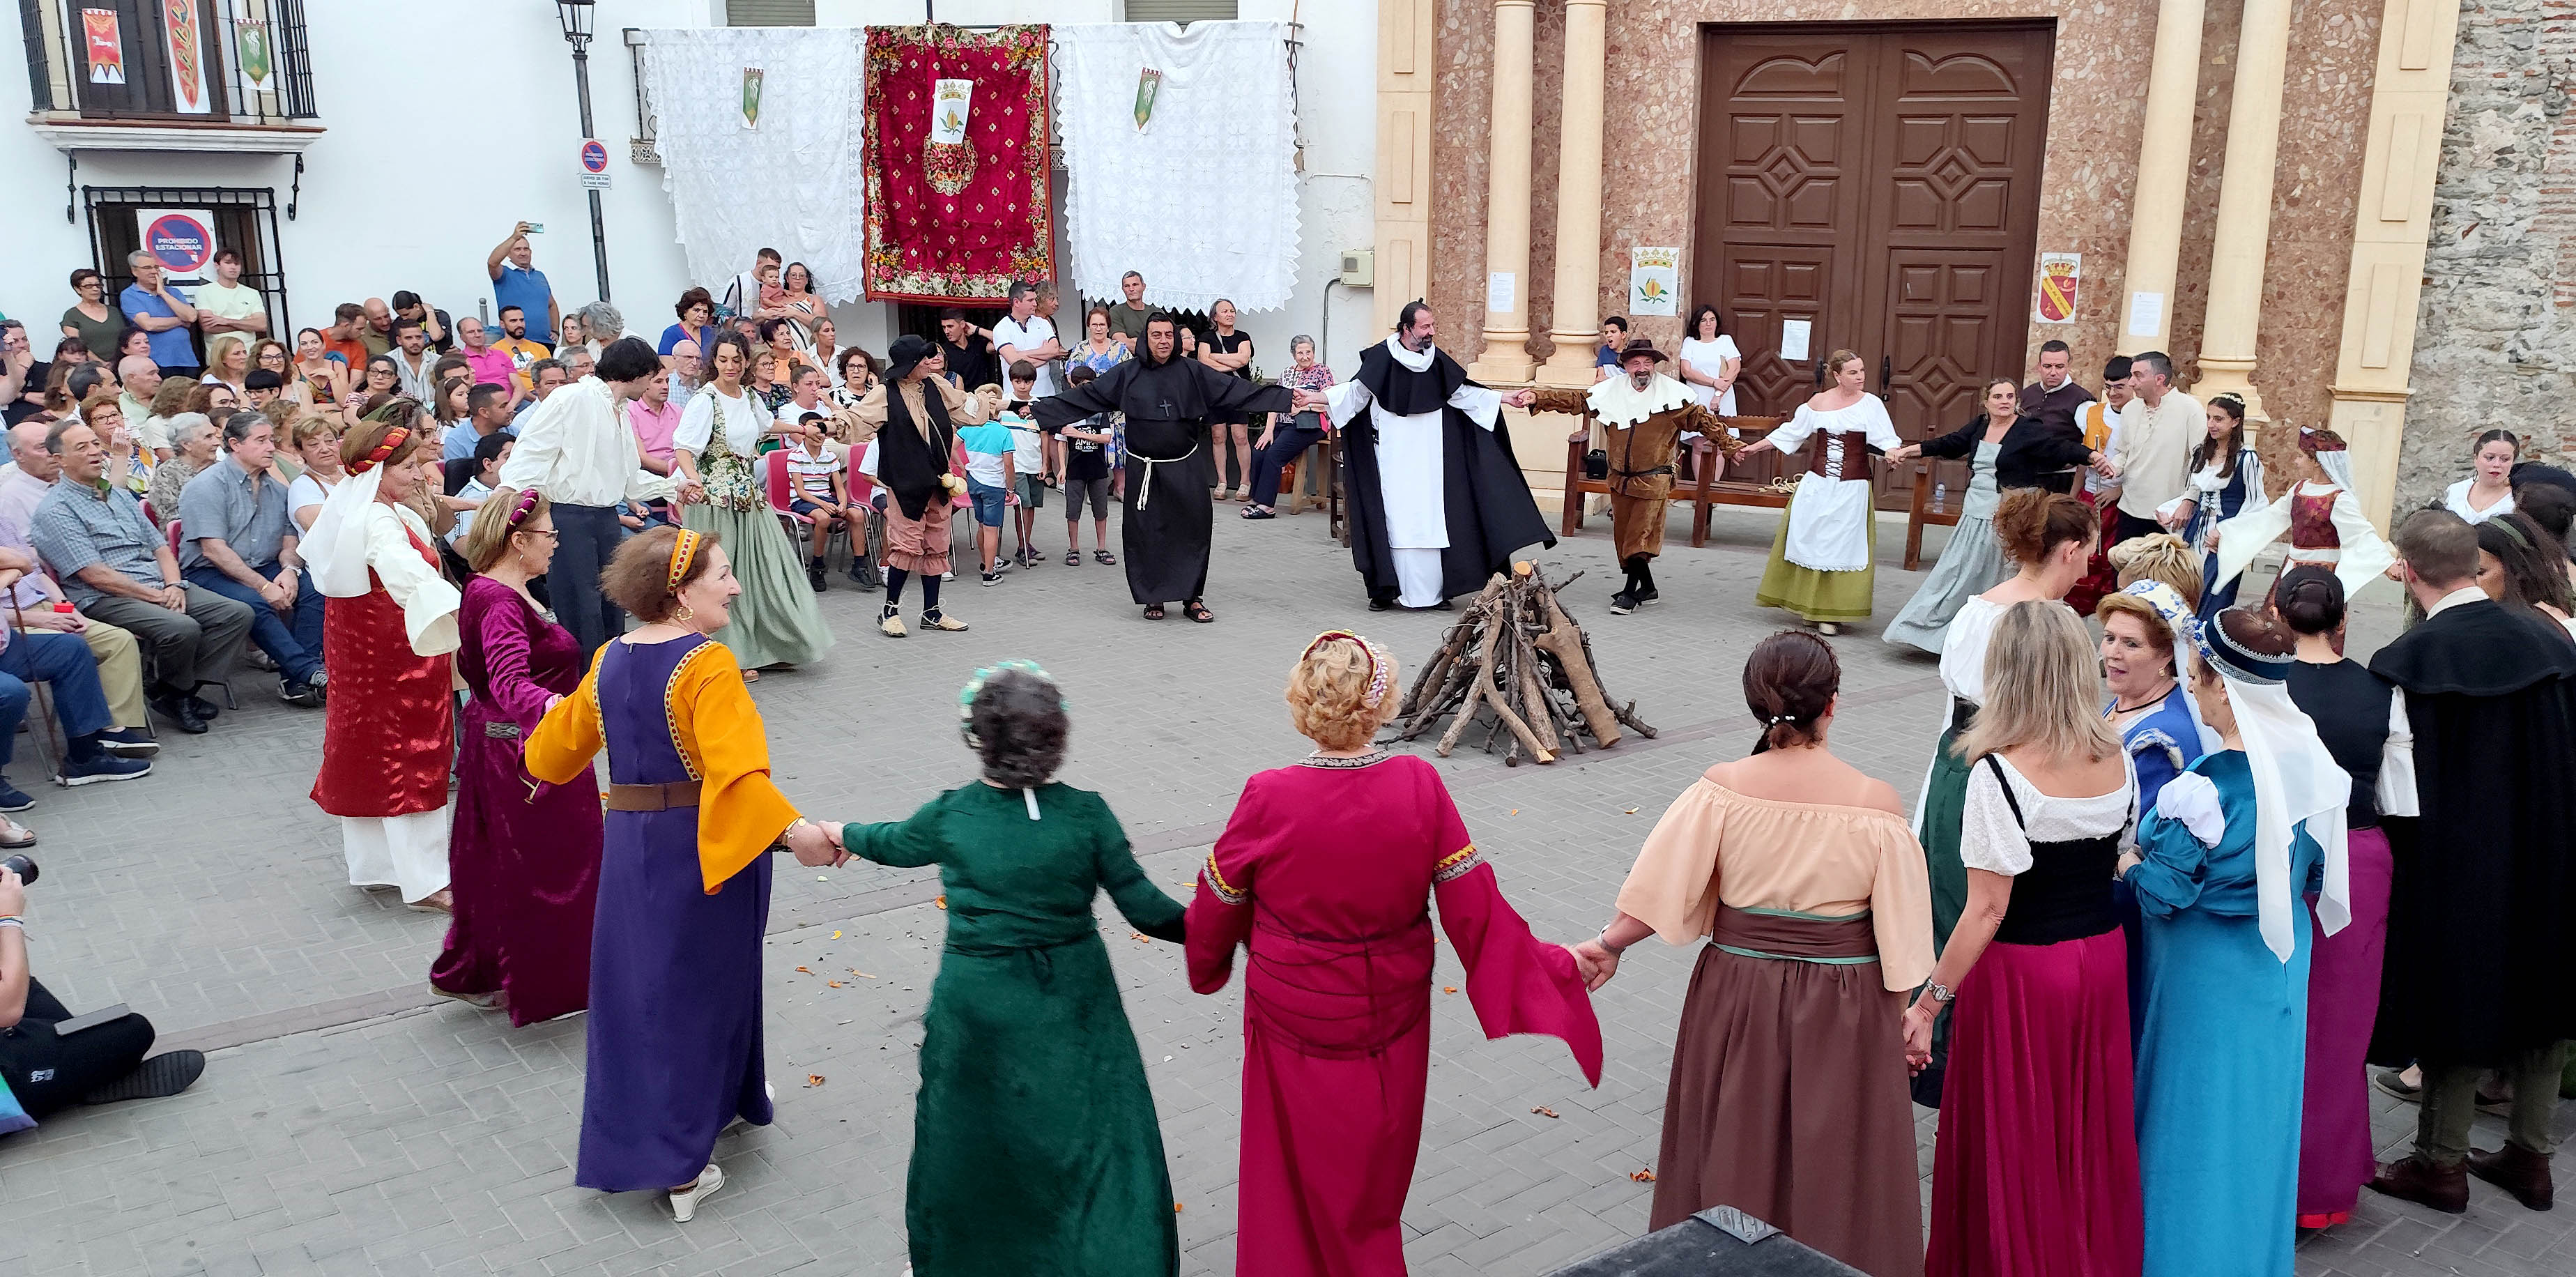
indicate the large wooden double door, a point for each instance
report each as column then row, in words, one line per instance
column 1880, row 184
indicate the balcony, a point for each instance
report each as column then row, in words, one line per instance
column 230, row 76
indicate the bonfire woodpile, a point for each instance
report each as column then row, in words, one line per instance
column 1519, row 665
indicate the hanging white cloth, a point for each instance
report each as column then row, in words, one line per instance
column 795, row 183
column 1220, row 146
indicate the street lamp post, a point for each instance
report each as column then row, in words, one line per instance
column 579, row 17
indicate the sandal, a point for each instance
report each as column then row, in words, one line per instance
column 1104, row 558
column 15, row 836
column 1197, row 611
column 1241, row 494
column 1259, row 512
column 1153, row 611
column 1073, row 558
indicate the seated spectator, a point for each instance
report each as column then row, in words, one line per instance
column 36, row 605
column 62, row 660
column 143, row 382
column 688, row 372
column 449, row 408
column 820, row 495
column 578, row 363
column 321, row 378
column 517, row 344
column 414, row 363
column 489, row 364
column 263, row 388
column 129, row 467
column 432, row 321
column 241, row 544
column 199, row 444
column 317, row 443
column 697, row 313
column 487, row 413
column 655, row 417
column 227, row 359
column 490, row 453
column 545, row 377
column 342, row 337
column 601, row 324
column 377, row 334
column 49, row 1073
column 152, row 429
column 120, row 570
column 31, row 475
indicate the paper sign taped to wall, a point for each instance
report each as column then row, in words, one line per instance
column 2146, row 314
column 1500, row 292
column 1654, row 280
column 1793, row 338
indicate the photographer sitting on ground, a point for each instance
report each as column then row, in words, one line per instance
column 49, row 1072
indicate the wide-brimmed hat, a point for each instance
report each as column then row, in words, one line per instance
column 1640, row 346
column 907, row 351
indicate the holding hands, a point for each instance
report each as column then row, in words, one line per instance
column 1595, row 962
column 815, row 846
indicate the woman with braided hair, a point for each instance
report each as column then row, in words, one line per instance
column 1035, row 1147
column 1788, row 1094
column 1322, row 875
column 388, row 637
column 524, row 853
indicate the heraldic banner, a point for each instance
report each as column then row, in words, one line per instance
column 956, row 125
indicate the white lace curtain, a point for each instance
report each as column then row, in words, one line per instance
column 794, row 183
column 1203, row 199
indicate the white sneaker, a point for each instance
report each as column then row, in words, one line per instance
column 684, row 1206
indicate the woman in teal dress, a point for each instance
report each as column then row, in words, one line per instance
column 2222, row 871
column 1035, row 1147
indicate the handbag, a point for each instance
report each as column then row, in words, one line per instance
column 1596, row 464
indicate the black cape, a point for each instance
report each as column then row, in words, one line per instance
column 1491, row 515
column 1169, row 512
column 2030, row 456
column 2478, row 963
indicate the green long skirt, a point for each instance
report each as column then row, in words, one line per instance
column 1814, row 595
column 1945, row 800
column 775, row 621
column 1027, row 1062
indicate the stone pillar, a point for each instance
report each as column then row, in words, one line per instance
column 2394, row 217
column 1506, row 357
column 1574, row 325
column 1404, row 85
column 2234, row 318
column 2164, row 169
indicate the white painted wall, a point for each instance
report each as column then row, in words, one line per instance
column 385, row 205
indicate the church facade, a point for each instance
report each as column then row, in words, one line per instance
column 2355, row 213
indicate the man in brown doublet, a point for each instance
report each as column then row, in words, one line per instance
column 1642, row 416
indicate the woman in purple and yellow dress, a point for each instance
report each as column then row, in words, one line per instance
column 675, row 1038
column 523, row 856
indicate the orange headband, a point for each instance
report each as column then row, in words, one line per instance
column 393, row 440
column 683, row 552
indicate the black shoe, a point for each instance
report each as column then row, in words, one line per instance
column 1648, row 595
column 128, row 742
column 1381, row 605
column 101, row 766
column 165, row 1074
column 181, row 713
column 206, row 709
column 1622, row 603
column 814, row 578
column 304, row 694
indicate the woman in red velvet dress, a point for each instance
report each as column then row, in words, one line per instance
column 1342, row 852
column 525, row 854
column 389, row 733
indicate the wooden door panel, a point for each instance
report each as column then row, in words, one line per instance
column 1761, row 292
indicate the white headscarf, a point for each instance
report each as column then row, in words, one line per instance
column 2295, row 779
column 2177, row 614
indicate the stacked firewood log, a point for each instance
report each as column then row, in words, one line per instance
column 1518, row 664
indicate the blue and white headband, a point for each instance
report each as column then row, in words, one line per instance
column 2235, row 661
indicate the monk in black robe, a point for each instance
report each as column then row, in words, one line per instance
column 1169, row 512
column 2480, row 972
column 1437, row 501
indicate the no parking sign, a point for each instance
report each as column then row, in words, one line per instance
column 594, row 164
column 181, row 239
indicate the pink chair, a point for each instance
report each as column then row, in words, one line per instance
column 775, row 482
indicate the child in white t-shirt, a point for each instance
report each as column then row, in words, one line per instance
column 817, row 492
column 989, row 454
column 1028, row 459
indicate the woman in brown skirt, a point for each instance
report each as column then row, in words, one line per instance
column 909, row 423
column 1801, row 872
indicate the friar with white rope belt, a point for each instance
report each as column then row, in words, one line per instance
column 1169, row 513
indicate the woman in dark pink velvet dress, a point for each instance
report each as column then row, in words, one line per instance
column 524, row 856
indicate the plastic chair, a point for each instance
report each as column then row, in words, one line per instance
column 775, row 483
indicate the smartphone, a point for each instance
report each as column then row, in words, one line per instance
column 90, row 1020
column 536, row 228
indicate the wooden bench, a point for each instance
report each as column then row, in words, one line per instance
column 1924, row 509
column 1695, row 479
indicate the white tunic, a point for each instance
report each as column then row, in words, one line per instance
column 1830, row 513
column 1411, row 471
column 2456, row 498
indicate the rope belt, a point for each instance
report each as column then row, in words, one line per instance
column 676, row 794
column 1147, row 493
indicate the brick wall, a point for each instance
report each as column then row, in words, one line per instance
column 2496, row 336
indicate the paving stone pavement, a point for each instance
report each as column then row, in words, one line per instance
column 350, row 1123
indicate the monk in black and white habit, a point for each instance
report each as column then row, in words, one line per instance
column 1438, row 503
column 1169, row 512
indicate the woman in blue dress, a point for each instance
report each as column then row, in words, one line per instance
column 2145, row 629
column 2226, row 478
column 2221, row 872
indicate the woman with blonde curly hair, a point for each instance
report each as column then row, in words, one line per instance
column 2161, row 557
column 1341, row 851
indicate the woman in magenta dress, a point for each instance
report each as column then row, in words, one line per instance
column 524, row 855
column 1341, row 853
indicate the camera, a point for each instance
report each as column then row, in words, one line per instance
column 23, row 866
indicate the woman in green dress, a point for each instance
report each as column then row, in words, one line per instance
column 717, row 444
column 1034, row 1145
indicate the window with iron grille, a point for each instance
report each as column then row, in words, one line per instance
column 245, row 221
column 1181, row 11
column 231, row 59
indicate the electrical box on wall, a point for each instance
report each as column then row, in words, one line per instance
column 1359, row 268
